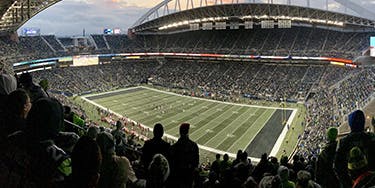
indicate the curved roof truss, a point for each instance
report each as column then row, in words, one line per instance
column 167, row 7
column 15, row 13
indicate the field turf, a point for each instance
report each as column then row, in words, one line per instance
column 221, row 126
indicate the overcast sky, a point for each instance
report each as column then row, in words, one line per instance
column 70, row 17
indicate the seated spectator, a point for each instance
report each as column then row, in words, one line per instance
column 155, row 145
column 270, row 182
column 215, row 166
column 357, row 138
column 31, row 159
column 115, row 171
column 158, row 172
column 35, row 92
column 325, row 175
column 86, row 161
column 358, row 169
column 14, row 118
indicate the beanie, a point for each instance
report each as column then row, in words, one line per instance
column 332, row 134
column 357, row 121
column 357, row 160
column 45, row 119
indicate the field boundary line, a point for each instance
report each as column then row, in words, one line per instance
column 211, row 100
column 282, row 136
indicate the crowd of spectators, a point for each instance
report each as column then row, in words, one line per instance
column 330, row 93
column 297, row 41
column 38, row 154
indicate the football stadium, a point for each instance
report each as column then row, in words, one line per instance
column 196, row 93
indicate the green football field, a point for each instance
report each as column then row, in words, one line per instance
column 216, row 126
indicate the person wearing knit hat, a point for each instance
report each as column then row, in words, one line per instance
column 332, row 133
column 356, row 138
column 325, row 174
column 184, row 157
column 115, row 171
column 358, row 168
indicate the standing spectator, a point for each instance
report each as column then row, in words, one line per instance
column 356, row 138
column 115, row 171
column 184, row 159
column 86, row 161
column 35, row 92
column 225, row 164
column 155, row 145
column 325, row 175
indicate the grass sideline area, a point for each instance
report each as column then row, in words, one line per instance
column 214, row 124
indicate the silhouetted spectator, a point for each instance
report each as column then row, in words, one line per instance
column 237, row 159
column 92, row 132
column 8, row 83
column 325, row 175
column 31, row 158
column 262, row 167
column 283, row 172
column 115, row 170
column 155, row 145
column 356, row 138
column 86, row 162
column 215, row 166
column 358, row 169
column 304, row 180
column 184, row 159
column 14, row 118
column 35, row 92
column 158, row 172
column 120, row 139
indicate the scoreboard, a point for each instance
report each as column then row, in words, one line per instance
column 372, row 46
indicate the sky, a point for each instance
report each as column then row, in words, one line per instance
column 70, row 17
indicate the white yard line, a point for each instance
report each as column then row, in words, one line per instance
column 281, row 138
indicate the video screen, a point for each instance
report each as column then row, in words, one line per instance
column 108, row 31
column 85, row 60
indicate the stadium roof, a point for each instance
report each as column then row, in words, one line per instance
column 14, row 13
column 179, row 13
